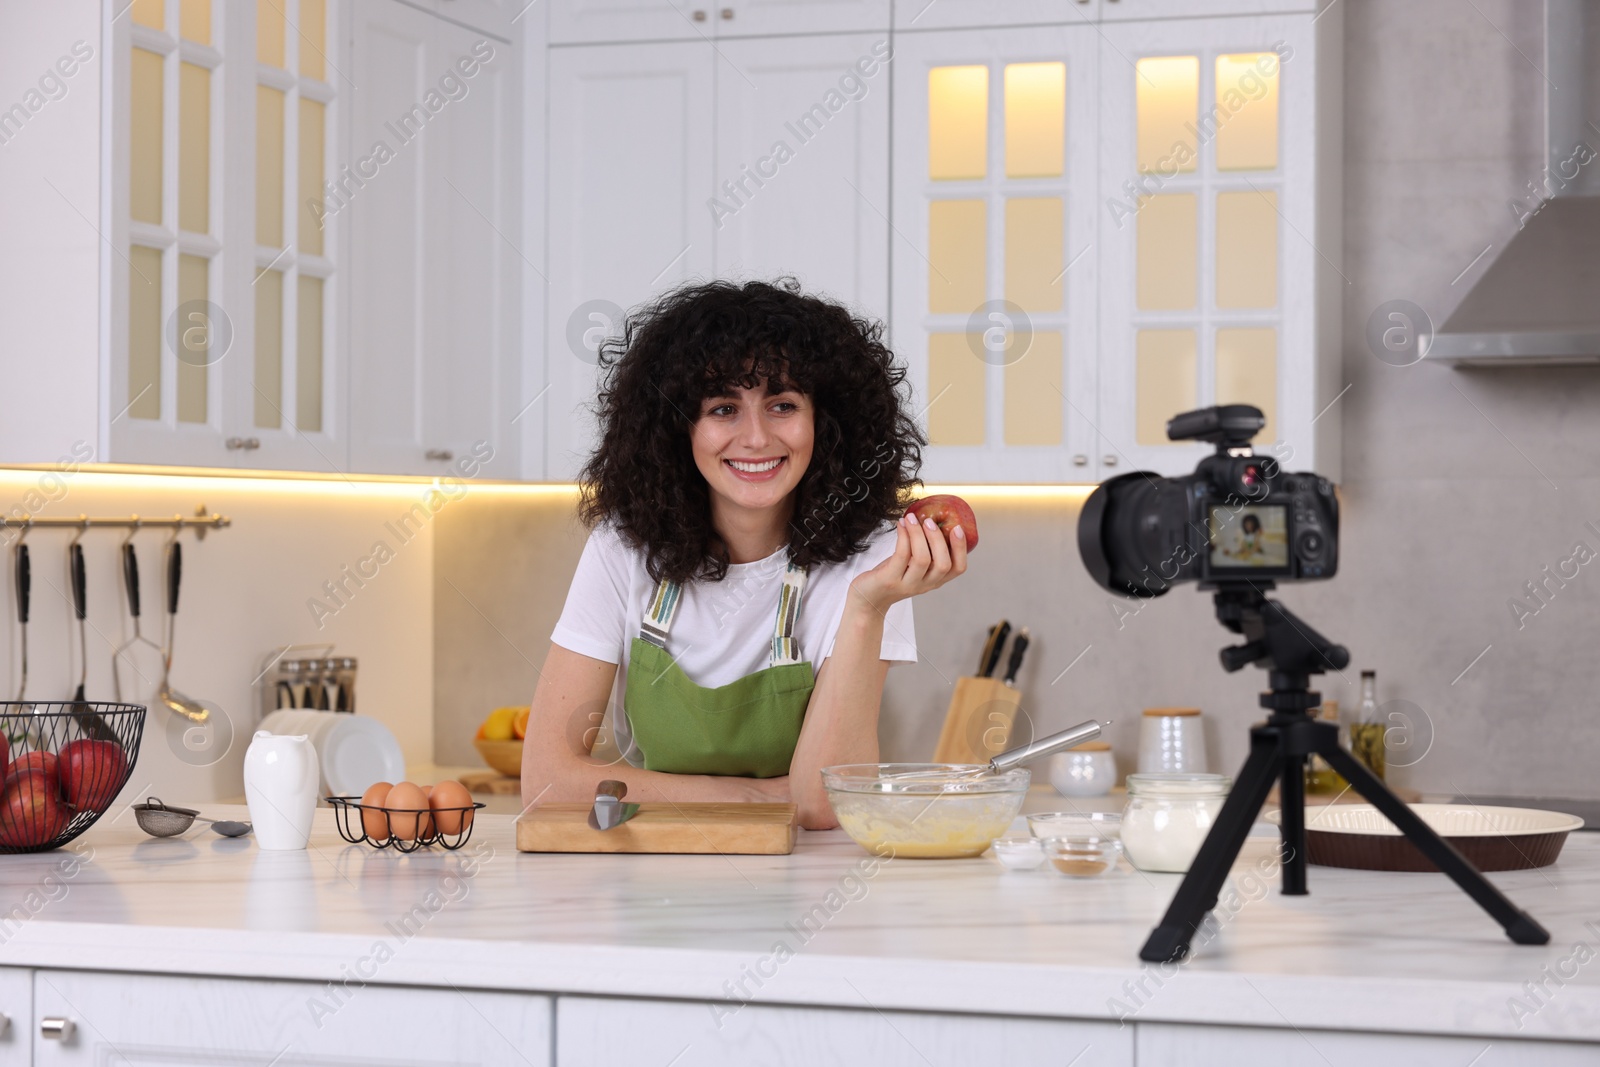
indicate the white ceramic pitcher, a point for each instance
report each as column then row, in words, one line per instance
column 280, row 785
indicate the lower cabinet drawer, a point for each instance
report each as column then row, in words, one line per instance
column 591, row 1030
column 1173, row 1045
column 143, row 1019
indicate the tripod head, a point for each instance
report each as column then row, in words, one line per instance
column 1277, row 640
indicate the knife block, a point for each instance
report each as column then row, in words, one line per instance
column 977, row 727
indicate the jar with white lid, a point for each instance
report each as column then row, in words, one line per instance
column 1168, row 817
column 1085, row 771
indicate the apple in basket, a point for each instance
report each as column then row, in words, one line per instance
column 91, row 773
column 31, row 811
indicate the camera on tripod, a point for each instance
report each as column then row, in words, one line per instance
column 1237, row 517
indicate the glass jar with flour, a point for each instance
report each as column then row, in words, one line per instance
column 1168, row 816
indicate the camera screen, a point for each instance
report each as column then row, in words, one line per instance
column 1255, row 535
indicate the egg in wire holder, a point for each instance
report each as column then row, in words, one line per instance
column 429, row 817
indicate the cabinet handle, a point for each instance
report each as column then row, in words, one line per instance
column 1110, row 460
column 699, row 16
column 1080, row 460
column 57, row 1029
column 727, row 14
column 443, row 455
column 246, row 444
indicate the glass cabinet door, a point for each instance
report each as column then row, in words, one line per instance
column 994, row 287
column 1206, row 227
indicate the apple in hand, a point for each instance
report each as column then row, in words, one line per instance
column 947, row 512
column 92, row 772
column 31, row 812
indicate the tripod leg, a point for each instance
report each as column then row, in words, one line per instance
column 1292, row 802
column 1198, row 892
column 1519, row 925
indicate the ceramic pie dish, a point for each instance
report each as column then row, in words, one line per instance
column 1491, row 838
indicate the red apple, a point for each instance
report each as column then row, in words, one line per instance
column 44, row 763
column 948, row 512
column 92, row 772
column 31, row 812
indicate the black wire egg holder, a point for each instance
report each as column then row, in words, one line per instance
column 343, row 806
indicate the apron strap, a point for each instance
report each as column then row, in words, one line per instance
column 785, row 649
column 657, row 621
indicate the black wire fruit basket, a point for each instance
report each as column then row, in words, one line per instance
column 404, row 829
column 63, row 764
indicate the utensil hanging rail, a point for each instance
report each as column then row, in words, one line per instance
column 200, row 522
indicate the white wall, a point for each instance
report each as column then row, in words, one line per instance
column 245, row 591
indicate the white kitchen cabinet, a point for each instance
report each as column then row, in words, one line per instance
column 16, row 1006
column 120, row 1018
column 913, row 15
column 1178, row 1045
column 689, row 1034
column 434, row 210
column 1217, row 236
column 497, row 17
column 613, row 21
column 802, row 171
column 631, row 165
column 996, row 143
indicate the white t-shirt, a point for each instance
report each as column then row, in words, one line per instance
column 722, row 630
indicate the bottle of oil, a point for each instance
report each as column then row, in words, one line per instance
column 1321, row 779
column 1366, row 733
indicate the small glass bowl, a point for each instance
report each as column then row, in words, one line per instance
column 1102, row 824
column 1019, row 853
column 1082, row 857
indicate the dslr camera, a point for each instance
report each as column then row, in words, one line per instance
column 1237, row 519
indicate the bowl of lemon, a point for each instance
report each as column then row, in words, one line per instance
column 499, row 739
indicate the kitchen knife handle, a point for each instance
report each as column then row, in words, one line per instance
column 174, row 575
column 24, row 583
column 80, row 595
column 611, row 788
column 130, row 577
column 996, row 648
column 1018, row 647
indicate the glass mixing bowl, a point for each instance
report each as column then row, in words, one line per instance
column 924, row 810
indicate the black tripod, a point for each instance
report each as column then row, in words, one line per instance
column 1292, row 652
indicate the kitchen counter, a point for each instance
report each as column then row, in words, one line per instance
column 1366, row 951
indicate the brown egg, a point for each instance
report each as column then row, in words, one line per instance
column 374, row 821
column 404, row 804
column 448, row 795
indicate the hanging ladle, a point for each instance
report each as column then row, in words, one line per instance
column 188, row 707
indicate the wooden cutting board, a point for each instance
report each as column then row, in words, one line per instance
column 977, row 727
column 727, row 829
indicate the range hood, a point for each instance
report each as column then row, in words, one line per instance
column 1539, row 300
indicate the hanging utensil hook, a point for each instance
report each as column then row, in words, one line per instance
column 84, row 523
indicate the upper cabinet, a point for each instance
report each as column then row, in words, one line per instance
column 680, row 160
column 224, row 293
column 434, row 208
column 995, row 279
column 1105, row 225
column 1220, row 280
column 614, row 21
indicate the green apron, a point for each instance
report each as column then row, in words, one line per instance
column 748, row 727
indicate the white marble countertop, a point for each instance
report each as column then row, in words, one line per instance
column 1365, row 951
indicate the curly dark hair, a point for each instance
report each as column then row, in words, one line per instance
column 698, row 341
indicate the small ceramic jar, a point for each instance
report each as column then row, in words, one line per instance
column 1168, row 817
column 1172, row 740
column 1085, row 771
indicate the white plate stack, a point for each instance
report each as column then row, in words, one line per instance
column 354, row 750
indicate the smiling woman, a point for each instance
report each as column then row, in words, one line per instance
column 755, row 453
